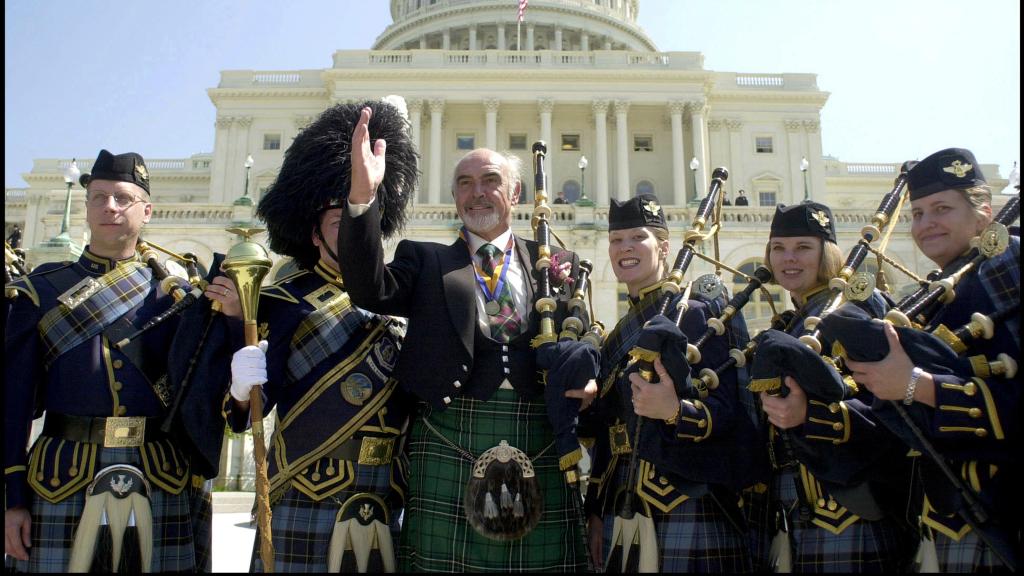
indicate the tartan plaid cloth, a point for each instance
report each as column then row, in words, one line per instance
column 626, row 331
column 53, row 525
column 302, row 527
column 864, row 546
column 436, row 537
column 695, row 537
column 1001, row 279
column 318, row 335
column 966, row 556
column 123, row 288
column 201, row 502
column 506, row 323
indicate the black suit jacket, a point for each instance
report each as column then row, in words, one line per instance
column 433, row 285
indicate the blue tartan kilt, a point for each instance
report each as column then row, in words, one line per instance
column 202, row 524
column 53, row 525
column 301, row 527
column 864, row 546
column 694, row 537
column 968, row 555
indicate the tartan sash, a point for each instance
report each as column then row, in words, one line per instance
column 621, row 340
column 120, row 290
column 321, row 333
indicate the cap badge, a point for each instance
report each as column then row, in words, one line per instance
column 141, row 170
column 652, row 207
column 821, row 218
column 958, row 169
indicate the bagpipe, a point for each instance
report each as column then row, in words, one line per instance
column 14, row 267
column 184, row 291
column 940, row 350
column 569, row 358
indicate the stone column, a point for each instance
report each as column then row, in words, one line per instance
column 501, row 37
column 436, row 150
column 816, row 172
column 584, row 41
column 623, row 191
column 558, row 38
column 698, row 109
column 415, row 106
column 529, row 37
column 219, row 166
column 600, row 167
column 607, row 43
column 423, row 42
column 546, row 107
column 472, row 37
column 446, row 39
column 737, row 172
column 794, row 151
column 491, row 107
column 676, row 109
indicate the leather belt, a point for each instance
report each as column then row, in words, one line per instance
column 368, row 450
column 111, row 432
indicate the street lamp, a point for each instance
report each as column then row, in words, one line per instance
column 804, row 165
column 71, row 174
column 694, row 164
column 583, row 200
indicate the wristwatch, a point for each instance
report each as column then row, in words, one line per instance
column 915, row 375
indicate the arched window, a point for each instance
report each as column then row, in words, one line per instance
column 757, row 312
column 644, row 187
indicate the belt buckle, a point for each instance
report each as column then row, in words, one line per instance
column 376, row 451
column 124, row 431
column 619, row 439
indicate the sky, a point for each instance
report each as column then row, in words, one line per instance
column 906, row 77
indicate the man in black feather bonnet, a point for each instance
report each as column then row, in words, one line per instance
column 336, row 490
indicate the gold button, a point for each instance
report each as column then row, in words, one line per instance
column 330, row 470
column 834, row 407
column 837, row 426
column 821, row 502
column 970, row 388
column 39, row 477
column 54, row 482
column 166, row 467
column 663, row 480
column 702, row 423
column 316, row 476
column 975, row 412
column 118, row 386
column 698, row 404
column 73, row 470
column 832, row 505
column 118, row 363
column 122, row 410
column 981, row 432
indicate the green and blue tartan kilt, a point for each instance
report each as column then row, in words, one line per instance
column 864, row 546
column 53, row 525
column 694, row 537
column 966, row 556
column 760, row 527
column 202, row 524
column 437, row 537
column 301, row 527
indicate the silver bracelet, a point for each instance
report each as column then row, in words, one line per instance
column 915, row 375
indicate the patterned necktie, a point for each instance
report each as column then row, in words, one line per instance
column 505, row 323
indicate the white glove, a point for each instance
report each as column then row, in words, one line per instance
column 248, row 369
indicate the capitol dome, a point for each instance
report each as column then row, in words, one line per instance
column 574, row 25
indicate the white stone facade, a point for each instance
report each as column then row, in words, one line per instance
column 588, row 81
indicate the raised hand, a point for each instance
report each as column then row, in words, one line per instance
column 367, row 162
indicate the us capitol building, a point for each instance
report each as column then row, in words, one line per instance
column 579, row 74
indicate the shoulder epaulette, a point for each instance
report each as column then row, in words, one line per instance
column 24, row 284
column 277, row 291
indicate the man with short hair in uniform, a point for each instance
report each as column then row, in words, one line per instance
column 103, row 474
column 336, row 483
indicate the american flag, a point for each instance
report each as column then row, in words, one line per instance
column 522, row 8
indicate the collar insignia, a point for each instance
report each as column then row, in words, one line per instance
column 652, row 207
column 958, row 169
column 821, row 218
